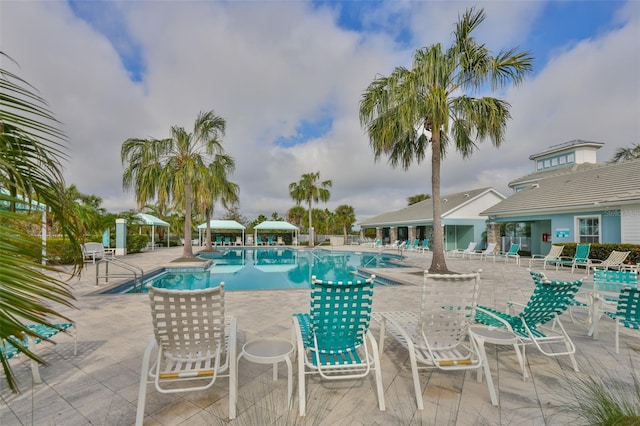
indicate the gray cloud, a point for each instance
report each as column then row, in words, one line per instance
column 268, row 66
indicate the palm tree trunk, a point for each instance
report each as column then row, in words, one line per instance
column 438, row 263
column 312, row 235
column 187, row 250
column 207, row 237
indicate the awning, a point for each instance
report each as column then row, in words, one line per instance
column 153, row 221
column 221, row 224
column 276, row 225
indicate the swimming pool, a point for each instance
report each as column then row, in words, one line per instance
column 270, row 269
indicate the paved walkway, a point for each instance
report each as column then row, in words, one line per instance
column 100, row 385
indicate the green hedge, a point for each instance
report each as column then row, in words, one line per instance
column 136, row 242
column 61, row 252
column 602, row 251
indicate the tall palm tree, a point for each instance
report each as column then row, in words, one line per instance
column 32, row 149
column 345, row 216
column 213, row 185
column 412, row 108
column 166, row 169
column 625, row 154
column 310, row 189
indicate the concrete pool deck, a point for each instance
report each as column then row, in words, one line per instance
column 100, row 384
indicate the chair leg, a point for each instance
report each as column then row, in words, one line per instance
column 617, row 336
column 378, row 372
column 142, row 391
column 35, row 369
column 301, row 384
column 416, row 377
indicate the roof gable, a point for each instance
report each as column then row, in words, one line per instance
column 602, row 184
column 423, row 211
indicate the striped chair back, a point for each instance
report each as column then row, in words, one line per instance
column 549, row 300
column 188, row 322
column 340, row 313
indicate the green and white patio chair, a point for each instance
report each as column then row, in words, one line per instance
column 425, row 245
column 194, row 343
column 333, row 340
column 436, row 335
column 538, row 321
column 511, row 253
column 607, row 287
column 580, row 258
column 627, row 312
column 12, row 346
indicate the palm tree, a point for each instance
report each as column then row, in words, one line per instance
column 310, row 189
column 417, row 198
column 295, row 215
column 345, row 216
column 412, row 108
column 625, row 154
column 213, row 185
column 31, row 151
column 166, row 169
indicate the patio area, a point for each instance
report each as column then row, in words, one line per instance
column 100, row 384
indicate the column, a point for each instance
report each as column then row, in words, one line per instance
column 121, row 237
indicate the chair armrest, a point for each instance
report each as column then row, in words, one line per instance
column 495, row 317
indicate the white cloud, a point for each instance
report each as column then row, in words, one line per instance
column 267, row 66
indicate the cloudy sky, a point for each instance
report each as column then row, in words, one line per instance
column 288, row 76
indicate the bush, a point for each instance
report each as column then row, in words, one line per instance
column 61, row 252
column 136, row 242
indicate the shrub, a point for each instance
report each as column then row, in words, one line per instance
column 136, row 242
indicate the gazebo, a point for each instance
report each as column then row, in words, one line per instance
column 276, row 225
column 153, row 221
column 220, row 224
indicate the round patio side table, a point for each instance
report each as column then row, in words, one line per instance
column 497, row 336
column 270, row 350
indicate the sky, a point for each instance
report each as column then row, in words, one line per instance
column 288, row 76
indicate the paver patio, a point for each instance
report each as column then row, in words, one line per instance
column 100, row 384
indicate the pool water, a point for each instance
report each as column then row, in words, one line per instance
column 274, row 268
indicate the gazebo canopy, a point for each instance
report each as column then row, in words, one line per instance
column 222, row 224
column 153, row 221
column 279, row 225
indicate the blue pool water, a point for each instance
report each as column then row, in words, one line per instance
column 272, row 268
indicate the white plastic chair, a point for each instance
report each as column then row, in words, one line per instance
column 194, row 342
column 436, row 336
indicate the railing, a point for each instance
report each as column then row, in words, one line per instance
column 137, row 272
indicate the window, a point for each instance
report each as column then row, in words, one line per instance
column 571, row 158
column 563, row 159
column 540, row 165
column 554, row 162
column 547, row 164
column 588, row 229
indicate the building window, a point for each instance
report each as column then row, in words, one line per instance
column 571, row 158
column 540, row 165
column 588, row 229
column 563, row 159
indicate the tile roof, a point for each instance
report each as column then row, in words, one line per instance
column 423, row 211
column 585, row 187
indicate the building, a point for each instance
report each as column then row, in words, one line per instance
column 572, row 198
column 461, row 219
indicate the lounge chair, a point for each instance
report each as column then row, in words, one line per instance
column 238, row 241
column 614, row 261
column 607, row 288
column 269, row 241
column 218, row 241
column 227, row 241
column 548, row 300
column 280, row 242
column 554, row 254
column 425, row 245
column 627, row 312
column 259, row 241
column 470, row 248
column 194, row 341
column 333, row 339
column 580, row 258
column 512, row 253
column 436, row 335
column 488, row 251
column 12, row 346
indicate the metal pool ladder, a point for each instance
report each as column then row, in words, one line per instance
column 137, row 272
